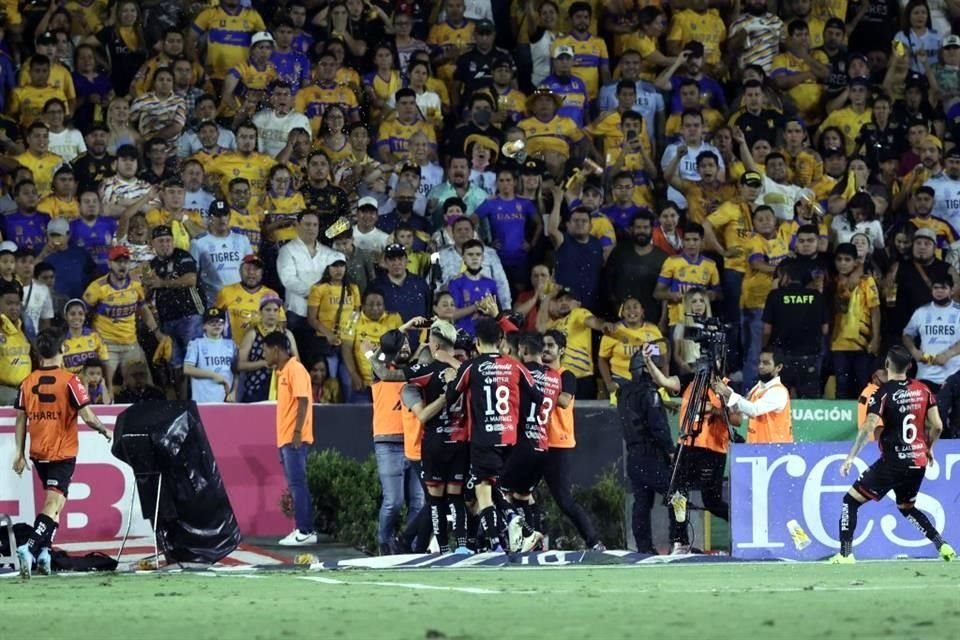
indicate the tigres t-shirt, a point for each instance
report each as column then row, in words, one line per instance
column 578, row 357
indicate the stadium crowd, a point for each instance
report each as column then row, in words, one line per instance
column 182, row 178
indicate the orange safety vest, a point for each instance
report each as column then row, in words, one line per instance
column 771, row 427
column 387, row 411
column 714, row 434
column 560, row 428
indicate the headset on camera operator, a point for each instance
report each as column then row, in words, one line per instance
column 767, row 405
column 650, row 446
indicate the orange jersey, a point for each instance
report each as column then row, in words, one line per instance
column 560, row 433
column 52, row 399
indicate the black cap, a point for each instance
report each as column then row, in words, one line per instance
column 219, row 208
column 485, row 26
column 916, row 80
column 47, row 37
column 161, row 231
column 954, row 152
column 532, row 167
column 833, row 151
column 394, row 250
column 409, row 167
column 128, row 151
column 212, row 314
column 391, row 342
column 888, row 153
column 503, row 61
column 925, row 189
column 835, row 23
column 695, row 48
column 858, row 55
column 97, row 126
column 751, row 179
column 593, row 183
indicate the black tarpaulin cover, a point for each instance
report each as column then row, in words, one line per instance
column 196, row 522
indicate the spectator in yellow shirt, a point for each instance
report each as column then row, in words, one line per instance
column 62, row 203
column 702, row 24
column 856, row 323
column 627, row 337
column 365, row 334
column 38, row 159
column 14, row 348
column 800, row 72
column 27, row 100
column 852, row 118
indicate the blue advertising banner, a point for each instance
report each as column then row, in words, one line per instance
column 771, row 485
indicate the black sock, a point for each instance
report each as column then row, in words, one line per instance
column 459, row 510
column 503, row 505
column 43, row 528
column 848, row 523
column 534, row 515
column 922, row 522
column 438, row 520
column 490, row 526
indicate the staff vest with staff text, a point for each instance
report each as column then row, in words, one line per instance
column 773, row 427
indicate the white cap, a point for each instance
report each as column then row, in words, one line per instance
column 368, row 201
column 951, row 41
column 563, row 50
column 261, row 36
column 7, row 245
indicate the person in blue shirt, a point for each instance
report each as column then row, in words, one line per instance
column 508, row 217
column 403, row 292
column 474, row 294
column 91, row 231
column 211, row 361
column 563, row 83
column 293, row 67
column 579, row 256
column 26, row 227
column 73, row 264
column 219, row 253
column 622, row 210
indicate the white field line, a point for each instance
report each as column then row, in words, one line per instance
column 416, row 586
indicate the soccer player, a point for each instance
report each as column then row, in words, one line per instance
column 903, row 415
column 444, row 452
column 48, row 403
column 498, row 394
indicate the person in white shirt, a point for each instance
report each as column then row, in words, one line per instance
column 121, row 190
column 276, row 124
column 205, row 111
column 937, row 325
column 300, row 265
column 220, row 252
column 692, row 145
column 945, row 185
column 195, row 196
column 767, row 405
column 366, row 235
column 37, row 302
column 66, row 142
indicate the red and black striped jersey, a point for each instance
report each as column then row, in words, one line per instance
column 902, row 406
column 499, row 391
column 450, row 425
column 550, row 383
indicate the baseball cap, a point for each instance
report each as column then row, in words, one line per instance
column 916, row 80
column 751, row 179
column 213, row 314
column 954, row 152
column 925, row 189
column 253, row 259
column 339, row 262
column 8, row 246
column 485, row 26
column 409, row 167
column 270, row 299
column 161, row 231
column 261, row 36
column 391, row 342
column 368, row 201
column 951, row 42
column 219, row 208
column 835, row 23
column 695, row 48
column 925, row 233
column 563, row 50
column 531, row 167
column 833, row 151
column 443, row 329
column 503, row 61
column 394, row 250
column 593, row 183
column 47, row 37
column 119, row 252
column 97, row 126
column 128, row 151
column 59, row 227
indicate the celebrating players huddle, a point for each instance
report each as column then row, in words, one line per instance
column 487, row 418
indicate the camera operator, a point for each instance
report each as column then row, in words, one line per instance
column 767, row 405
column 646, row 433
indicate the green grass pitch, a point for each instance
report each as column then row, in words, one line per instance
column 899, row 600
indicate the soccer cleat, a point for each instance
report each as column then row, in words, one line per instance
column 530, row 542
column 679, row 503
column 947, row 553
column 842, row 559
column 462, row 551
column 298, row 539
column 515, row 533
column 44, row 562
column 25, row 558
column 680, row 549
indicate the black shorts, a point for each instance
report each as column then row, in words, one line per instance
column 55, row 475
column 883, row 477
column 444, row 462
column 487, row 461
column 523, row 469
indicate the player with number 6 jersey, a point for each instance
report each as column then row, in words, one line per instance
column 903, row 415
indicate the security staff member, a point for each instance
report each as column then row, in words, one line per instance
column 649, row 445
column 767, row 405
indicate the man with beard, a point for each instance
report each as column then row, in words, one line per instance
column 114, row 301
column 220, row 252
column 755, row 35
column 91, row 167
column 931, row 152
column 946, row 187
column 242, row 299
column 912, row 277
column 633, row 268
column 328, row 200
column 457, row 185
column 933, row 326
